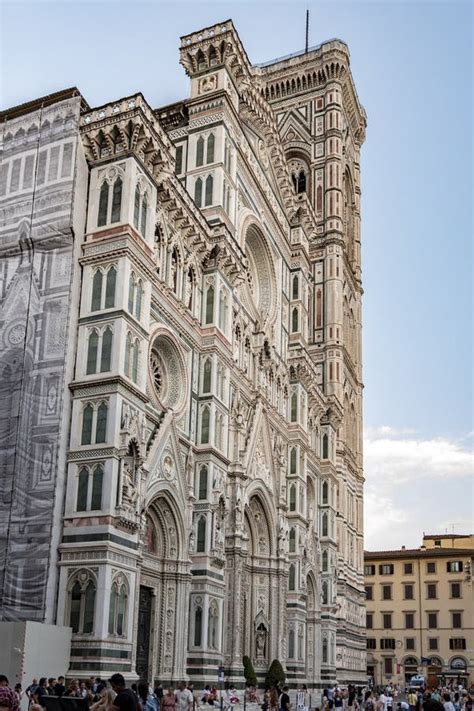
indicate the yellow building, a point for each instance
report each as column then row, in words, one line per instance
column 420, row 611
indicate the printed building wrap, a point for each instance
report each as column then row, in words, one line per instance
column 181, row 416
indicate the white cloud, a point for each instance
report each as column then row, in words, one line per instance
column 414, row 485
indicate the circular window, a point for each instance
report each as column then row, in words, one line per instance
column 167, row 375
column 259, row 294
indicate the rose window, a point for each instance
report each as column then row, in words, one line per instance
column 167, row 375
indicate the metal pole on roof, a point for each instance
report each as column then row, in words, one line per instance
column 307, row 31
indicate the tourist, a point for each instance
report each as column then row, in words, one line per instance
column 105, row 700
column 8, row 698
column 19, row 693
column 73, row 689
column 184, row 698
column 41, row 692
column 447, row 703
column 284, row 700
column 302, row 699
column 146, row 700
column 60, row 689
column 168, row 702
column 274, row 701
column 125, row 700
column 30, row 689
column 430, row 704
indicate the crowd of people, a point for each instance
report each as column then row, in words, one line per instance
column 114, row 695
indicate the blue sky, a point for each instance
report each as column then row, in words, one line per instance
column 412, row 63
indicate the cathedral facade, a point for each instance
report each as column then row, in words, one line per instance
column 181, row 411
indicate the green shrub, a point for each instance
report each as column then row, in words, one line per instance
column 275, row 674
column 249, row 672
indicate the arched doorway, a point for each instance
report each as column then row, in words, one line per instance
column 163, row 595
column 410, row 668
column 312, row 615
column 256, row 600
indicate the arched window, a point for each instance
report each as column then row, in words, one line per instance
column 295, row 287
column 117, row 608
column 205, row 422
column 294, row 320
column 325, row 494
column 293, row 461
column 212, row 626
column 324, row 526
column 103, row 204
column 144, row 215
column 207, row 376
column 101, row 427
column 190, row 288
column 325, row 651
column 138, row 300
column 81, row 605
column 291, row 644
column 106, row 355
column 209, row 190
column 82, row 489
column 116, row 200
column 210, row 305
column 210, row 148
column 294, row 408
column 96, row 301
column 223, row 310
column 300, row 642
column 131, row 292
column 128, row 351
column 292, row 497
column 291, row 578
column 198, row 192
column 292, row 541
column 325, row 446
column 301, row 182
column 325, row 562
column 97, row 480
column 200, row 151
column 203, row 478
column 136, row 208
column 87, row 415
column 174, row 269
column 92, row 349
column 198, row 627
column 201, row 535
column 135, row 354
column 110, row 288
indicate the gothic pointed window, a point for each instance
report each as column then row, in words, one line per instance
column 131, row 292
column 291, row 578
column 291, row 644
column 92, row 353
column 198, row 192
column 205, row 422
column 106, row 355
column 97, row 479
column 103, row 204
column 209, row 189
column 210, row 305
column 292, row 497
column 101, row 427
column 174, row 269
column 325, row 446
column 212, row 625
column 200, row 151
column 203, row 479
column 198, row 626
column 325, row 562
column 325, row 651
column 189, row 288
column 201, row 535
column 325, row 493
column 135, row 357
column 207, row 376
column 96, row 302
column 110, row 288
column 116, row 200
column 293, row 461
column 138, row 300
column 89, row 604
column 136, row 208
column 87, row 416
column 128, row 351
column 295, row 287
column 292, row 541
column 210, row 148
column 117, row 608
column 179, row 160
column 82, row 605
column 294, row 321
column 294, row 408
column 144, row 215
column 75, row 607
column 223, row 310
column 324, row 526
column 82, row 489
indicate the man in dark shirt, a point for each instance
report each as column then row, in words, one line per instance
column 430, row 704
column 59, row 688
column 284, row 700
column 41, row 692
column 125, row 700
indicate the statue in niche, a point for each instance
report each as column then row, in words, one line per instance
column 260, row 642
column 129, row 489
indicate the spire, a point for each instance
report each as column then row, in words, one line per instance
column 307, row 32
